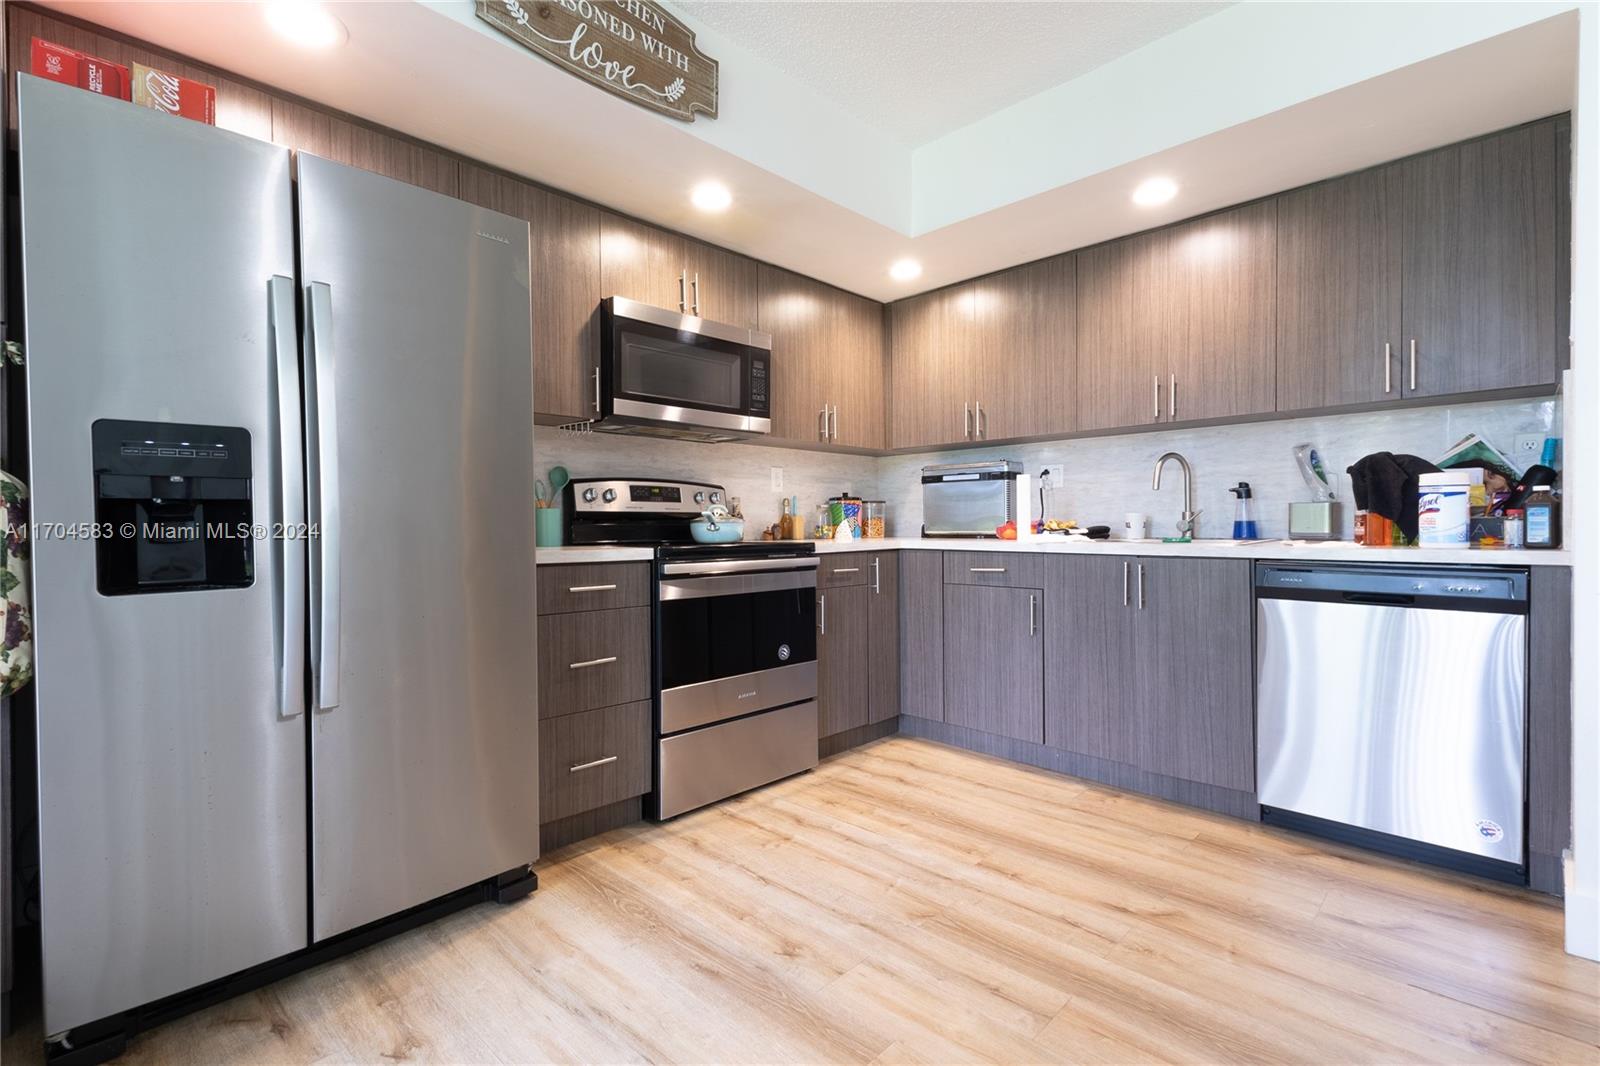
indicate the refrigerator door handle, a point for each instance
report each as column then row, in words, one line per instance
column 289, row 541
column 322, row 419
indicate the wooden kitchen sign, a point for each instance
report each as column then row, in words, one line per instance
column 630, row 47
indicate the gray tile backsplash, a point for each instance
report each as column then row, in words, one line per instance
column 1104, row 477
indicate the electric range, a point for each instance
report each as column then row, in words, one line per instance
column 734, row 656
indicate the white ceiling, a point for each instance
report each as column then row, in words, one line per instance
column 914, row 69
column 1253, row 99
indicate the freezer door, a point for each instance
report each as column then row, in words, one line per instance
column 1407, row 721
column 424, row 749
column 171, row 740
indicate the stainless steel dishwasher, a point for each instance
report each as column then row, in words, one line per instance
column 1391, row 707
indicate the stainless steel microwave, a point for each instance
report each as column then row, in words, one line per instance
column 667, row 374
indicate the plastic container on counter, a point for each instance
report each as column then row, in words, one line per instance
column 844, row 513
column 874, row 518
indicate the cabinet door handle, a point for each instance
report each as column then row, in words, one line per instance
column 833, row 427
column 683, row 290
column 591, row 765
column 977, row 420
column 1388, row 367
column 822, row 615
column 986, row 569
column 591, row 588
column 1033, row 615
column 591, row 662
column 597, row 390
column 696, row 284
column 1413, row 364
column 822, row 423
column 847, row 569
column 1157, row 415
column 877, row 585
column 1125, row 568
column 966, row 420
column 1141, row 586
column 1172, row 396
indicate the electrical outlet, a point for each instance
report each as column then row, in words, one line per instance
column 1051, row 474
column 1529, row 444
column 777, row 479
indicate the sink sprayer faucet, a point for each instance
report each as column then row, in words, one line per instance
column 1189, row 521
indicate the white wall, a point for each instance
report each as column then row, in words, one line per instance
column 1583, row 517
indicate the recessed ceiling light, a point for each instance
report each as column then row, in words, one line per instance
column 306, row 23
column 905, row 269
column 1155, row 192
column 712, row 196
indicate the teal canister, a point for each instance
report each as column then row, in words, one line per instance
column 547, row 527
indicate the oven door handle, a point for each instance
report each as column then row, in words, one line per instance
column 696, row 588
column 737, row 566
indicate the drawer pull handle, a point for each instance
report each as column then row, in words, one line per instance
column 591, row 588
column 592, row 662
column 591, row 765
column 847, row 569
column 986, row 569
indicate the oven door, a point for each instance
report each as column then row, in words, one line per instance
column 678, row 372
column 736, row 637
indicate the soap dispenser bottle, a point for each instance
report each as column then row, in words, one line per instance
column 1244, row 514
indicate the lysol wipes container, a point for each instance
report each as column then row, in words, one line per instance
column 1442, row 509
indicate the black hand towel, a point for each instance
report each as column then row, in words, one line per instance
column 1386, row 484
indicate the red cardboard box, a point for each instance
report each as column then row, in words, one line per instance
column 161, row 91
column 72, row 67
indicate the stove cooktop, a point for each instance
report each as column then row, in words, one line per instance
column 745, row 549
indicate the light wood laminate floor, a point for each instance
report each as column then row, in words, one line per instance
column 908, row 902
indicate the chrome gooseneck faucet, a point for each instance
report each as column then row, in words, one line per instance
column 1190, row 520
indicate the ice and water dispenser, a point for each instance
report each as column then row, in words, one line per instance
column 172, row 507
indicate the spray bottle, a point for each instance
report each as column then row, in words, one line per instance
column 1244, row 515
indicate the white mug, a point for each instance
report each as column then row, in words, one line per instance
column 1135, row 526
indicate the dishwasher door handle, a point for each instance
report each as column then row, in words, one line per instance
column 1379, row 599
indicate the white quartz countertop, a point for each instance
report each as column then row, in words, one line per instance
column 1309, row 551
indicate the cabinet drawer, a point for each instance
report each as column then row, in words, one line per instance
column 837, row 571
column 1013, row 569
column 567, row 587
column 590, row 759
column 593, row 659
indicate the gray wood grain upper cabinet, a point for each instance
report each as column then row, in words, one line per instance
column 1025, row 350
column 931, row 338
column 883, row 637
column 827, row 361
column 723, row 285
column 994, row 660
column 922, row 634
column 1089, row 703
column 1480, row 263
column 843, row 659
column 1225, row 272
column 1339, row 292
column 642, row 263
column 1193, row 679
column 1132, row 317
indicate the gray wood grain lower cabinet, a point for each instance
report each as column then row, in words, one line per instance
column 922, row 634
column 590, row 759
column 1549, row 725
column 883, row 638
column 593, row 659
column 994, row 660
column 1195, row 663
column 843, row 661
column 1088, row 683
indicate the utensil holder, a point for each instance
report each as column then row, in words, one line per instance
column 547, row 527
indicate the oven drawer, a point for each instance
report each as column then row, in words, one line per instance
column 593, row 659
column 590, row 759
column 723, row 760
column 1018, row 568
column 837, row 571
column 567, row 587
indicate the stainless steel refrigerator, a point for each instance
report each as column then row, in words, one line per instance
column 253, row 737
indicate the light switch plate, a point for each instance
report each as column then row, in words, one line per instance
column 777, row 479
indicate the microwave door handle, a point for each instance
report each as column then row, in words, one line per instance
column 683, row 290
column 597, row 389
column 322, row 419
column 696, row 284
column 289, row 548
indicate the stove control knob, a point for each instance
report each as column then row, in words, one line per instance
column 699, row 497
column 588, row 495
column 610, row 495
column 716, row 497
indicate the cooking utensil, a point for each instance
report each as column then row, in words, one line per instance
column 717, row 526
column 559, row 479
